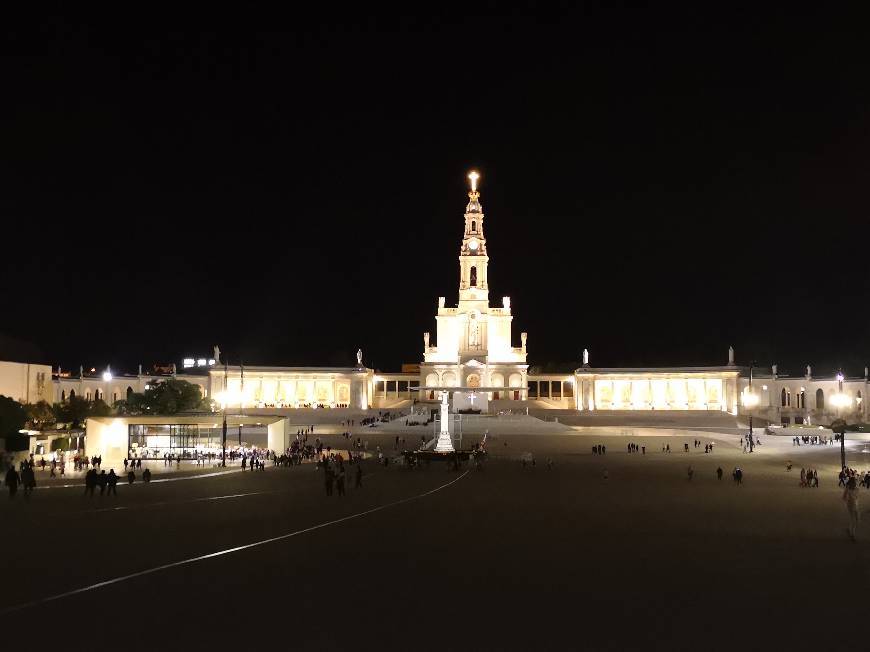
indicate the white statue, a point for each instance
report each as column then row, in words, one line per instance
column 585, row 357
column 473, row 333
column 426, row 341
column 809, row 372
column 774, row 372
column 524, row 337
column 359, row 358
column 730, row 356
column 217, row 354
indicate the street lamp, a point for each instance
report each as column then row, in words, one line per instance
column 750, row 400
column 841, row 400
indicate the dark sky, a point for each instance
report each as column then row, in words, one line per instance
column 657, row 185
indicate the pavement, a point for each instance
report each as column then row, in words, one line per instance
column 505, row 558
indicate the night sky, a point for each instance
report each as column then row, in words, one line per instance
column 657, row 185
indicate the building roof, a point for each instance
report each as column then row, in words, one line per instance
column 657, row 370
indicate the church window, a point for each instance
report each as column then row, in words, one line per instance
column 62, row 396
column 473, row 275
column 820, row 399
column 473, row 226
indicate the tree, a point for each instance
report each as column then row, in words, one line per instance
column 13, row 416
column 172, row 396
column 166, row 397
column 40, row 415
column 74, row 411
column 99, row 408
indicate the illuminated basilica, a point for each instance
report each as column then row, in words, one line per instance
column 475, row 360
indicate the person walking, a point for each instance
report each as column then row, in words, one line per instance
column 328, row 477
column 90, row 481
column 719, row 473
column 690, row 472
column 112, row 482
column 340, row 479
column 358, row 475
column 12, row 481
column 28, row 479
column 850, row 497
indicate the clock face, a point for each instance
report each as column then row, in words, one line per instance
column 473, row 244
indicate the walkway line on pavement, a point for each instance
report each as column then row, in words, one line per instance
column 220, row 553
column 203, row 499
column 172, row 502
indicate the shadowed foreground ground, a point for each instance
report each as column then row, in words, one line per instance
column 504, row 558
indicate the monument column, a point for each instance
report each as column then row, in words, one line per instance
column 444, row 444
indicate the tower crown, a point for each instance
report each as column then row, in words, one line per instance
column 473, row 281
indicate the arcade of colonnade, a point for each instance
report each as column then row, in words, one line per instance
column 657, row 391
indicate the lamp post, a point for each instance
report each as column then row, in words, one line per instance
column 224, row 428
column 750, row 400
column 840, row 401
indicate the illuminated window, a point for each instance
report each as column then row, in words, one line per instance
column 473, row 281
column 473, row 226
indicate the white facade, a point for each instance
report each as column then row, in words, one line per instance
column 25, row 382
column 116, row 388
column 473, row 353
column 293, row 387
column 695, row 388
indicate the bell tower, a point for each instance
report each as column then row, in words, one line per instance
column 473, row 279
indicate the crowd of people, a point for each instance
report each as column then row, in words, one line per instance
column 334, row 476
column 25, row 477
column 809, row 478
column 812, row 440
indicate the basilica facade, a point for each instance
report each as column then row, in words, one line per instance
column 473, row 357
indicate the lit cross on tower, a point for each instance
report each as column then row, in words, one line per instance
column 473, row 176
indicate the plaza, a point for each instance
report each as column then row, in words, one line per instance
column 508, row 557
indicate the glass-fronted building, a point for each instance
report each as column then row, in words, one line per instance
column 150, row 441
